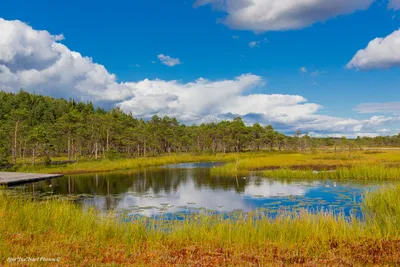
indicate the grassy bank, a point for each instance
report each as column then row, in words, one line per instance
column 359, row 173
column 56, row 229
column 361, row 165
column 104, row 165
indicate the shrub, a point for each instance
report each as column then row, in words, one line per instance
column 113, row 154
column 3, row 156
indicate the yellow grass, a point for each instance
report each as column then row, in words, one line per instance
column 60, row 230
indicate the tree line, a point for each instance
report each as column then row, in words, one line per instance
column 33, row 126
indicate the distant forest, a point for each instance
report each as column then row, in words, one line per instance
column 33, row 126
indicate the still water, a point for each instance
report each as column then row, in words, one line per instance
column 178, row 190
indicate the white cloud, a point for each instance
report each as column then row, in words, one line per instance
column 272, row 15
column 254, row 44
column 394, row 4
column 340, row 135
column 388, row 107
column 59, row 37
column 36, row 61
column 303, row 70
column 169, row 61
column 380, row 53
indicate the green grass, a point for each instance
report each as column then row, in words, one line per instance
column 104, row 165
column 383, row 206
column 55, row 228
column 360, row 165
column 359, row 173
column 334, row 166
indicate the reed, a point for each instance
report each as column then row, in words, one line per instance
column 59, row 229
column 383, row 210
column 104, row 165
column 377, row 166
column 241, row 163
column 359, row 173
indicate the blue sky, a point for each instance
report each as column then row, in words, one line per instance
column 213, row 39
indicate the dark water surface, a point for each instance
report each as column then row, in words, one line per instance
column 181, row 189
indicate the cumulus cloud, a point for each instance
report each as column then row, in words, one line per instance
column 59, row 37
column 394, row 4
column 272, row 15
column 388, row 107
column 37, row 61
column 169, row 61
column 34, row 60
column 380, row 53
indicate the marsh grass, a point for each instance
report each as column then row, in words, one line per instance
column 360, row 165
column 359, row 173
column 55, row 228
column 383, row 207
column 104, row 165
column 243, row 163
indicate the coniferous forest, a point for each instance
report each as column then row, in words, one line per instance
column 33, row 126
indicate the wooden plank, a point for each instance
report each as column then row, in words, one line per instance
column 15, row 178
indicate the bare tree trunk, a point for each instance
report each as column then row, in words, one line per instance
column 214, row 147
column 20, row 148
column 74, row 149
column 33, row 155
column 108, row 140
column 15, row 142
column 23, row 153
column 144, row 149
column 96, row 150
column 69, row 147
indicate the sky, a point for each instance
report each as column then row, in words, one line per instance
column 329, row 68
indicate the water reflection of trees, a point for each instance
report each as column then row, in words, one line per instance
column 154, row 181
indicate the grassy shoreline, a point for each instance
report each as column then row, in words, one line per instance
column 105, row 165
column 58, row 229
column 360, row 165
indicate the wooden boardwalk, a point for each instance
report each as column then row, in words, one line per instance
column 15, row 178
